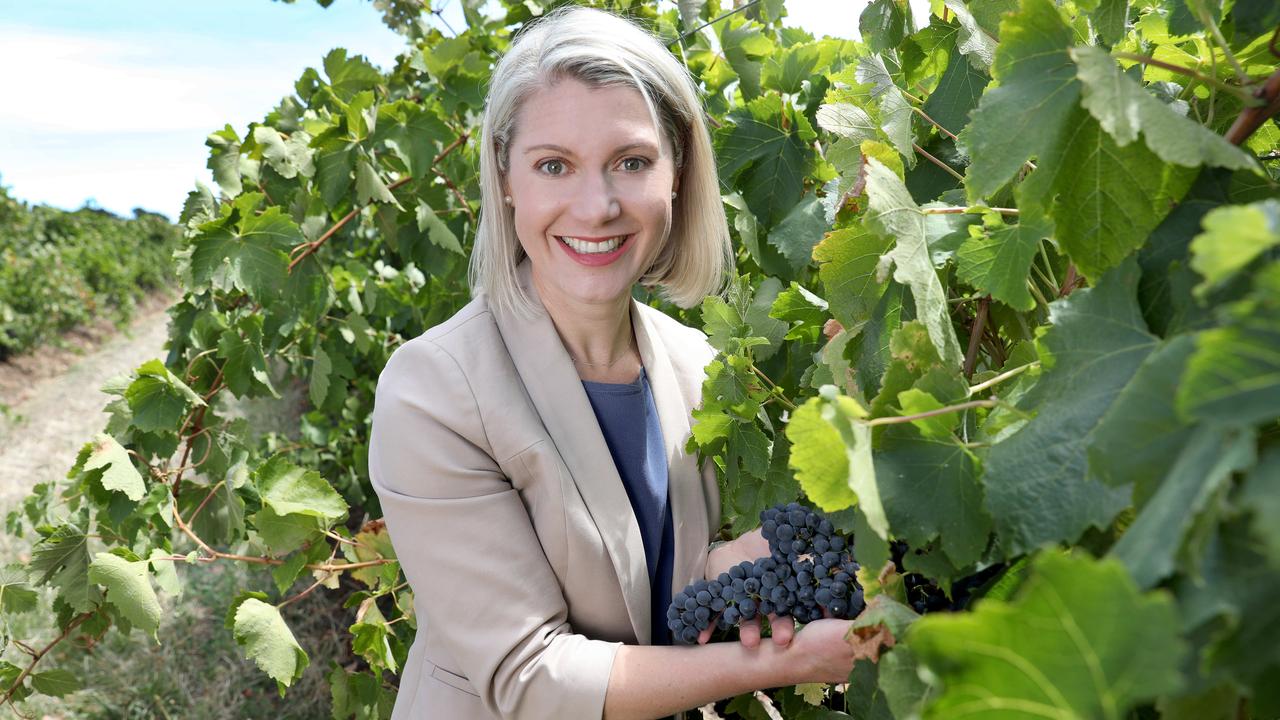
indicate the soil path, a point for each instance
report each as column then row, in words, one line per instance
column 53, row 402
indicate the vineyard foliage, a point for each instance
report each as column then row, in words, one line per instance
column 61, row 269
column 1009, row 291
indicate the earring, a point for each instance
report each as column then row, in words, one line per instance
column 673, row 195
column 507, row 199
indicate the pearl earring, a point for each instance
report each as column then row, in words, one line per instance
column 507, row 199
column 673, row 195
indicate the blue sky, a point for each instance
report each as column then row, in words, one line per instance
column 111, row 100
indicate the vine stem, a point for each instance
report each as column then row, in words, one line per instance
column 773, row 386
column 933, row 122
column 75, row 622
column 300, row 253
column 1206, row 19
column 685, row 36
column 899, row 419
column 963, row 210
column 1252, row 118
column 938, row 162
column 1189, row 72
column 1002, row 377
column 975, row 337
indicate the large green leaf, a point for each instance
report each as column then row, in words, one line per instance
column 291, row 490
column 765, row 153
column 1233, row 237
column 16, row 595
column 893, row 214
column 799, row 232
column 246, row 251
column 158, row 398
column 245, row 369
column 62, row 560
column 107, row 455
column 1038, row 487
column 973, row 42
column 1150, row 545
column 1026, row 114
column 956, row 95
column 267, row 640
column 1079, row 641
column 1123, row 108
column 129, row 588
column 930, row 491
column 998, row 262
column 848, row 259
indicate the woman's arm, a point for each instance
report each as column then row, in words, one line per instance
column 651, row 682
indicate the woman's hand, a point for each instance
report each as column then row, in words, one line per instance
column 781, row 627
column 750, row 547
column 822, row 653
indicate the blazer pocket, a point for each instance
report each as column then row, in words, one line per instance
column 453, row 680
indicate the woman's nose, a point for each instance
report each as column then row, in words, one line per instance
column 597, row 201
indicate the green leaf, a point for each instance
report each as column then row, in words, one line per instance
column 369, row 186
column 1150, row 545
column 334, row 166
column 973, row 41
column 118, row 473
column 848, row 121
column 436, row 229
column 1261, row 494
column 848, row 259
column 166, row 572
column 893, row 214
column 289, row 156
column 224, row 160
column 1038, row 488
column 245, row 251
column 349, row 75
column 998, row 262
column 1098, row 647
column 129, row 588
column 158, row 399
column 956, row 95
column 284, row 533
column 321, row 370
column 16, row 595
column 930, row 491
column 57, row 682
column 1233, row 236
column 1111, row 20
column 268, row 641
column 914, row 401
column 62, row 559
column 765, row 153
column 1234, row 375
column 883, row 24
column 290, row 490
column 1139, row 438
column 1123, row 107
column 245, row 369
column 1255, row 17
column 1025, row 115
column 798, row 233
column 831, row 454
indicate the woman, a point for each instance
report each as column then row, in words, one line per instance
column 529, row 452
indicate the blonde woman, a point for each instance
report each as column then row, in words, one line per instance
column 529, row 452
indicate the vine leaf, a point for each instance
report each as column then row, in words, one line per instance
column 245, row 370
column 893, row 214
column 973, row 42
column 1025, row 115
column 55, row 683
column 267, row 640
column 1150, row 545
column 158, row 398
column 1110, row 19
column 1124, row 108
column 62, row 559
column 1233, row 236
column 245, row 251
column 997, row 262
column 107, row 455
column 1098, row 646
column 1038, row 488
column 847, row 260
column 764, row 158
column 957, row 94
column 129, row 588
column 15, row 594
column 290, row 490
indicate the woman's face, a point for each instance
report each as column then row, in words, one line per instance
column 591, row 180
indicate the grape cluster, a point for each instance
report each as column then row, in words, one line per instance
column 925, row 596
column 810, row 569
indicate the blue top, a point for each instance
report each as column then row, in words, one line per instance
column 628, row 419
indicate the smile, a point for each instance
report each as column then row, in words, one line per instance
column 593, row 246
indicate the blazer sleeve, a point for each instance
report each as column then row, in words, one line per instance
column 469, row 550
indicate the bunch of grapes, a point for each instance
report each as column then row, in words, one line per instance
column 925, row 596
column 810, row 569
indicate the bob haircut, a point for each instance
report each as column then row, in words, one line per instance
column 602, row 50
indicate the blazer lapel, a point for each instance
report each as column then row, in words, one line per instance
column 688, row 513
column 556, row 390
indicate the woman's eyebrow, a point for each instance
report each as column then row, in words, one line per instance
column 566, row 151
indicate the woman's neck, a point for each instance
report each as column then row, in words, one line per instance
column 598, row 337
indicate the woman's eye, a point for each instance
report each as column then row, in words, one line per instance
column 552, row 167
column 634, row 164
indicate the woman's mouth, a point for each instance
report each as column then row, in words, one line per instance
column 595, row 251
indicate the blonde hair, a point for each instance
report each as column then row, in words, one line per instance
column 602, row 50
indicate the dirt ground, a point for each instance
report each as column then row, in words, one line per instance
column 50, row 402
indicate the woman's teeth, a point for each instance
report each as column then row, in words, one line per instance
column 590, row 248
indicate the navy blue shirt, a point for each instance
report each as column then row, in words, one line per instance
column 628, row 419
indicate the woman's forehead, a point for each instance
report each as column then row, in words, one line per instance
column 570, row 113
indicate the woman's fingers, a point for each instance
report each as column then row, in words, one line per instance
column 749, row 632
column 705, row 635
column 783, row 628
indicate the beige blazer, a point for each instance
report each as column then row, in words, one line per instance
column 509, row 517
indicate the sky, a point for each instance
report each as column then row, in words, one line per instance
column 109, row 102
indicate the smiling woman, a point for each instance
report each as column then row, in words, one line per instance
column 529, row 453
